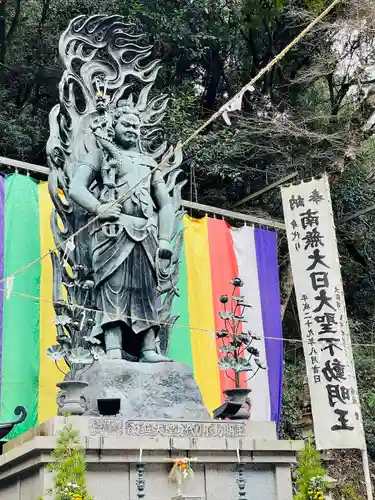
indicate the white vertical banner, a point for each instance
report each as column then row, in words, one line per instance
column 244, row 248
column 322, row 314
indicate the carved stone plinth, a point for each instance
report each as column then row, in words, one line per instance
column 113, row 461
column 146, row 390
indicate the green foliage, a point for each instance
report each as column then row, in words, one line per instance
column 317, row 5
column 310, row 474
column 293, row 395
column 367, row 154
column 349, row 492
column 69, row 467
column 365, row 368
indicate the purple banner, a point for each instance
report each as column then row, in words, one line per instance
column 268, row 276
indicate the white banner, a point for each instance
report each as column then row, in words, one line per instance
column 322, row 313
column 245, row 250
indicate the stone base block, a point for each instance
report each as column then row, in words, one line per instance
column 113, row 450
column 146, row 390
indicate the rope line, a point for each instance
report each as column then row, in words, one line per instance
column 187, row 141
column 189, row 327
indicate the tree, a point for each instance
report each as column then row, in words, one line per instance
column 310, row 474
column 69, row 467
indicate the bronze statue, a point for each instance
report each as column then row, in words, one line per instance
column 120, row 271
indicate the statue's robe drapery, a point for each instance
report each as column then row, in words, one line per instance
column 124, row 264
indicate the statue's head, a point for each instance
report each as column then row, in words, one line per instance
column 127, row 126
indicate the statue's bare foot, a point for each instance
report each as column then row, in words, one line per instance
column 151, row 356
column 114, row 353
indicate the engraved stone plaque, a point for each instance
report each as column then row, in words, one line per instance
column 106, row 427
column 185, row 429
column 113, row 427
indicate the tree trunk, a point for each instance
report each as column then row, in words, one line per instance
column 214, row 70
column 286, row 289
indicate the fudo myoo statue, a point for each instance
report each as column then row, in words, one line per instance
column 128, row 236
column 103, row 152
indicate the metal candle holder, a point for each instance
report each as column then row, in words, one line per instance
column 241, row 481
column 140, row 481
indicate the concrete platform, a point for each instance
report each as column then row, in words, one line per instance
column 113, row 450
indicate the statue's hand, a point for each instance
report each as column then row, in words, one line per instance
column 108, row 212
column 165, row 249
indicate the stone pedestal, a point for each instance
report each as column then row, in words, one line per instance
column 146, row 390
column 113, row 451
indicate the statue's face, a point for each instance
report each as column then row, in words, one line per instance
column 127, row 130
